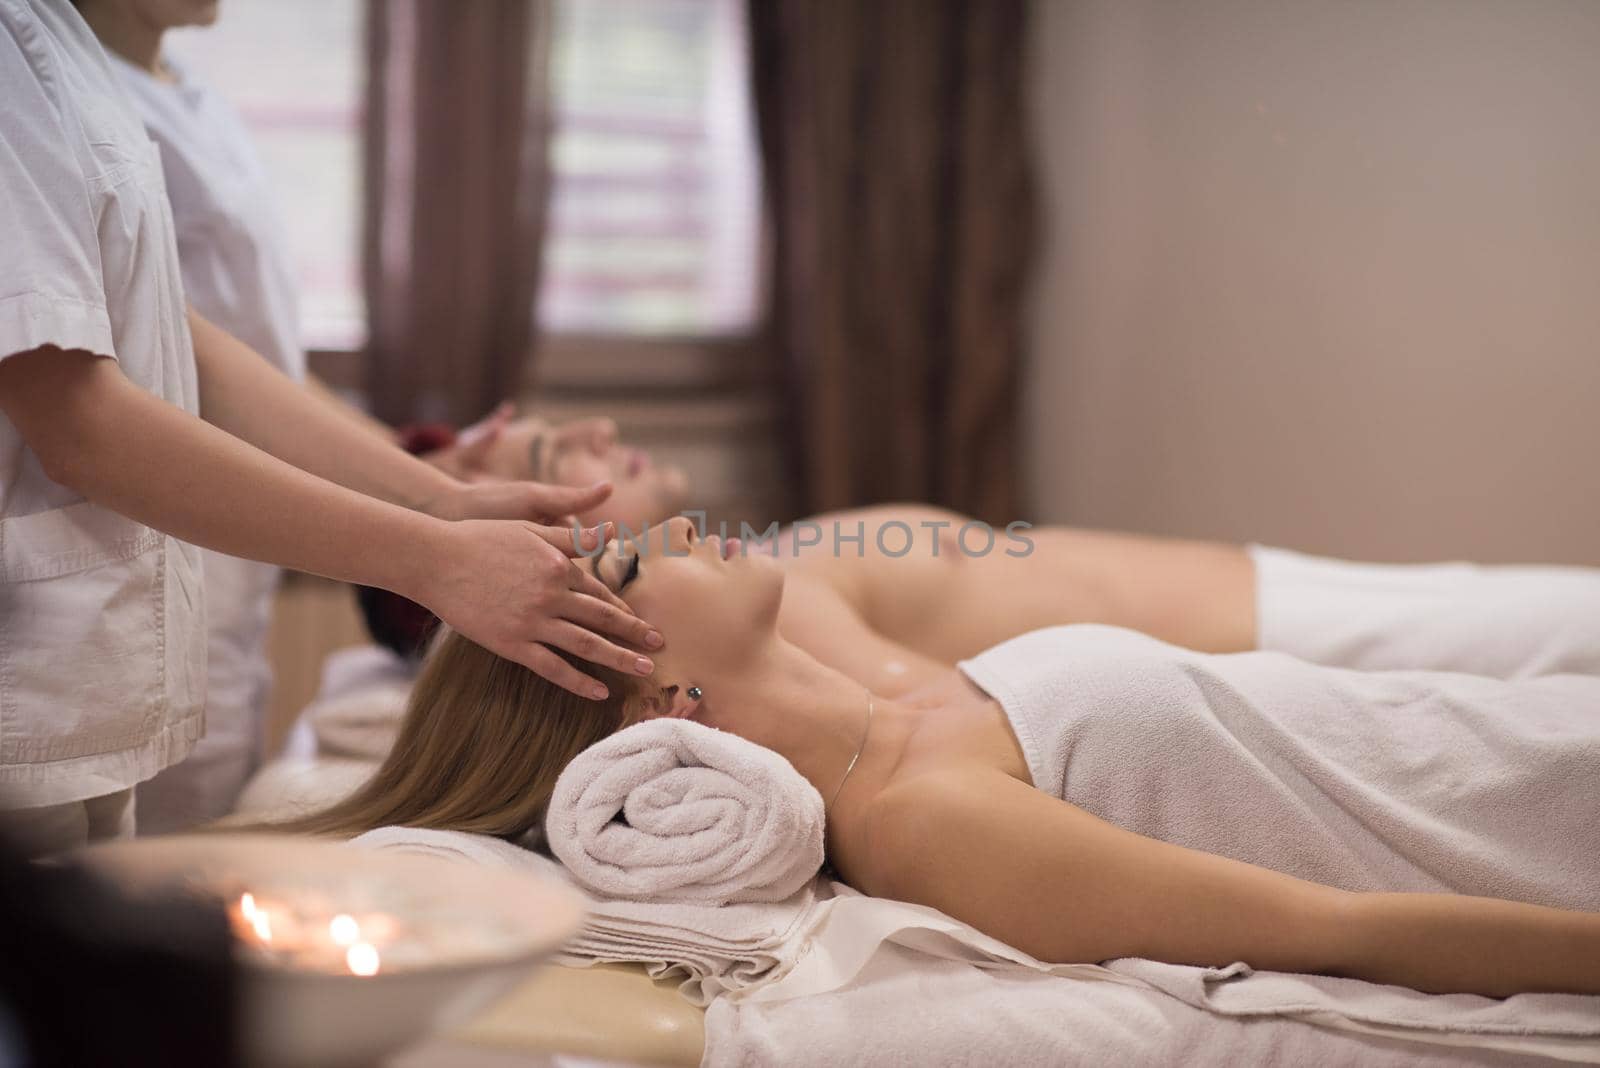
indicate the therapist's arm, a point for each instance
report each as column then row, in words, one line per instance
column 502, row 583
column 249, row 398
column 320, row 389
column 466, row 458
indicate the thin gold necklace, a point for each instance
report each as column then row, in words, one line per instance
column 859, row 750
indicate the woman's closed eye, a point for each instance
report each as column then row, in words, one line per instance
column 628, row 571
column 614, row 569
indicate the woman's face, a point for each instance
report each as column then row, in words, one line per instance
column 716, row 606
column 585, row 451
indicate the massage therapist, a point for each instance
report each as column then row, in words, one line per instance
column 131, row 429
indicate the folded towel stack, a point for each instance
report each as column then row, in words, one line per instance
column 712, row 949
column 675, row 811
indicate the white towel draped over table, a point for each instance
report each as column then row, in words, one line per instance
column 1503, row 621
column 712, row 949
column 832, row 977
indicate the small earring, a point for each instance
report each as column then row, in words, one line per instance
column 694, row 693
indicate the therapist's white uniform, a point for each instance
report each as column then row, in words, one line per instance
column 102, row 619
column 236, row 273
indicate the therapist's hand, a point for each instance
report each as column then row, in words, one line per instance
column 470, row 456
column 517, row 588
column 538, row 502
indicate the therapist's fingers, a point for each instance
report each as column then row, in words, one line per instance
column 616, row 620
column 490, row 425
column 587, row 645
column 474, row 444
column 545, row 499
column 574, row 541
column 541, row 661
column 588, row 584
column 598, row 589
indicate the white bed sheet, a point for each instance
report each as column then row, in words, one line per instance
column 906, row 1009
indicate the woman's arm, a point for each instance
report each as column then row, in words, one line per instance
column 320, row 390
column 246, row 396
column 1061, row 884
column 504, row 584
column 1478, row 944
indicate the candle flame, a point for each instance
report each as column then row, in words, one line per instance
column 344, row 930
column 255, row 917
column 362, row 959
column 301, row 943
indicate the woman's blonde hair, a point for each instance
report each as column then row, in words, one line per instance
column 480, row 748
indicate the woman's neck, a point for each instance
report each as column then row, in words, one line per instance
column 814, row 716
column 125, row 33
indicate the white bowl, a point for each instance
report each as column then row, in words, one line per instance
column 463, row 934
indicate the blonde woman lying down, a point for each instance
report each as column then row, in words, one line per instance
column 1089, row 792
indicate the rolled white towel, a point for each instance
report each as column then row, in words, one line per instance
column 675, row 811
column 363, row 724
column 361, row 703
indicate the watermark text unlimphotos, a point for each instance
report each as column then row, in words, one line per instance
column 894, row 539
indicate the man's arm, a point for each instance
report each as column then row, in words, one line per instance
column 503, row 584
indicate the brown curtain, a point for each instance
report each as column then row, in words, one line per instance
column 457, row 127
column 897, row 172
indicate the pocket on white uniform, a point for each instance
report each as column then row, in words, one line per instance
column 96, row 615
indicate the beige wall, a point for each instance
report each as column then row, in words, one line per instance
column 1323, row 273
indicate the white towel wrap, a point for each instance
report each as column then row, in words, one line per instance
column 706, row 817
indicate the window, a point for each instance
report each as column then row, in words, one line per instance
column 654, row 221
column 294, row 69
column 653, row 227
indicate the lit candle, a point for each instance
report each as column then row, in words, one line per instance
column 256, row 917
column 344, row 930
column 291, row 933
column 362, row 959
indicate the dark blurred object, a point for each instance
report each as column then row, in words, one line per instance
column 398, row 624
column 895, row 149
column 420, row 438
column 90, row 976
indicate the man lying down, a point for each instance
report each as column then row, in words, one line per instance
column 895, row 596
column 1213, row 753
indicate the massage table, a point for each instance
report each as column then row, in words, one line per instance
column 616, row 1014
